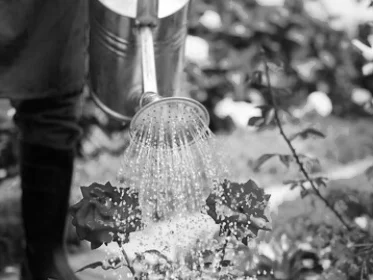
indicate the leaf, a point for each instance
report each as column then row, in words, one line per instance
column 269, row 116
column 260, row 161
column 91, row 266
column 256, row 121
column 256, row 78
column 320, row 181
column 304, row 193
column 112, row 263
column 85, row 191
column 226, row 263
column 293, row 184
column 151, row 261
column 95, row 245
column 307, row 133
column 310, row 163
column 286, row 159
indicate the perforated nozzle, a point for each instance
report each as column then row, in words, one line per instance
column 170, row 122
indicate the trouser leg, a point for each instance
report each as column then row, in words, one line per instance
column 48, row 136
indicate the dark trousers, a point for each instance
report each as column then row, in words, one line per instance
column 49, row 132
column 50, row 122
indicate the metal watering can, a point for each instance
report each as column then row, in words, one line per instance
column 137, row 58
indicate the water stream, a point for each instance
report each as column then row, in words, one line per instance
column 173, row 162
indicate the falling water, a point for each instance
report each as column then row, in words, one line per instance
column 173, row 161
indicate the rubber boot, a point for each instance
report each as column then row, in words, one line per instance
column 46, row 176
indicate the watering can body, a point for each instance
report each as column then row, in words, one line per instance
column 115, row 53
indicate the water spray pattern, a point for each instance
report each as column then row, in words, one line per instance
column 172, row 161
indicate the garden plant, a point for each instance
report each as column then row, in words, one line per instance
column 278, row 69
column 341, row 250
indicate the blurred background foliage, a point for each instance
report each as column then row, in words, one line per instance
column 309, row 46
column 316, row 71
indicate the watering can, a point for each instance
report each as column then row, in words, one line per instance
column 137, row 54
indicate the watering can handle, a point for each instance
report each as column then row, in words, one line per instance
column 147, row 12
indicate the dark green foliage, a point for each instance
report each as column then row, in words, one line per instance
column 305, row 54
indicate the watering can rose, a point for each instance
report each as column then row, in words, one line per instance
column 106, row 214
column 239, row 209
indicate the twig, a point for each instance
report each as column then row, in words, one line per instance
column 293, row 151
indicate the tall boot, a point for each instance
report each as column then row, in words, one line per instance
column 46, row 175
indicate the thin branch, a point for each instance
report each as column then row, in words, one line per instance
column 293, row 151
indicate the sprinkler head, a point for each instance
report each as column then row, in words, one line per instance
column 170, row 122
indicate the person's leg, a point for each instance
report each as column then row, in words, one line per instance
column 48, row 135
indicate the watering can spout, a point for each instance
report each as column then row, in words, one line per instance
column 118, row 29
column 147, row 22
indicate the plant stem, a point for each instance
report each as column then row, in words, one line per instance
column 127, row 260
column 224, row 249
column 293, row 151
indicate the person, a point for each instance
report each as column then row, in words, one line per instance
column 43, row 58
